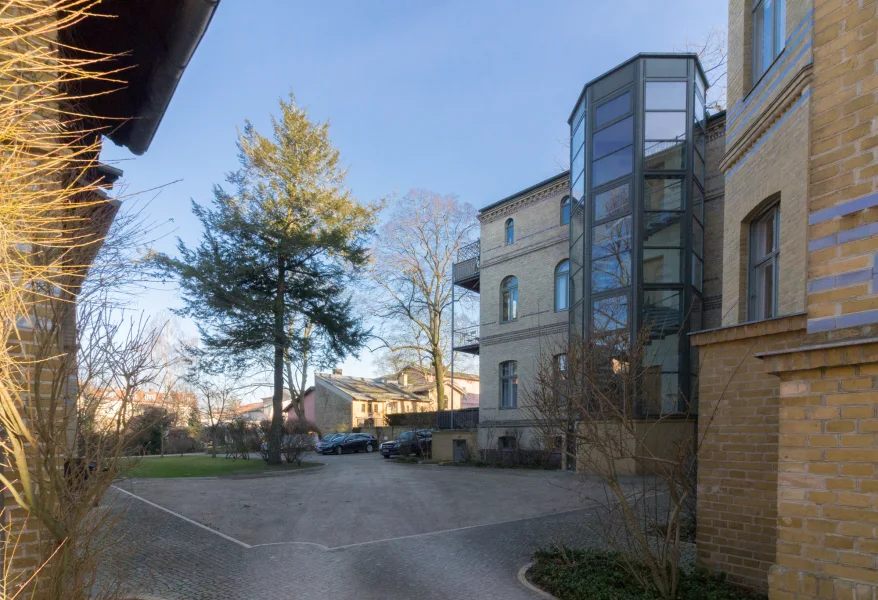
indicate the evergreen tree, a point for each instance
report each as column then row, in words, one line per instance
column 276, row 254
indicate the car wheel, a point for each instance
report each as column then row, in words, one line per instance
column 368, row 447
column 338, row 450
column 386, row 456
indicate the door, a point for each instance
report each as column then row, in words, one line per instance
column 460, row 451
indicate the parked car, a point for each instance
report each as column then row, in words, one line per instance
column 327, row 441
column 418, row 443
column 354, row 442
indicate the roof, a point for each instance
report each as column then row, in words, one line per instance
column 289, row 406
column 360, row 388
column 150, row 44
column 470, row 376
column 524, row 192
column 629, row 61
column 249, row 407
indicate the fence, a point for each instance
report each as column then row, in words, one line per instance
column 465, row 418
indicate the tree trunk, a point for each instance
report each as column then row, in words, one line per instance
column 213, row 441
column 276, row 429
column 439, row 372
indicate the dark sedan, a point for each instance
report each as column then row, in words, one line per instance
column 419, row 443
column 344, row 444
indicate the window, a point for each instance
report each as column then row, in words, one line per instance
column 507, row 443
column 508, row 384
column 565, row 211
column 509, row 299
column 562, row 287
column 510, row 231
column 391, row 407
column 362, row 408
column 764, row 235
column 561, row 364
column 769, row 30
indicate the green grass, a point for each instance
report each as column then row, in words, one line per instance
column 599, row 575
column 201, row 466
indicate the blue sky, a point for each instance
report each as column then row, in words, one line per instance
column 464, row 97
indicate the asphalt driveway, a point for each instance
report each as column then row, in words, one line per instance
column 359, row 527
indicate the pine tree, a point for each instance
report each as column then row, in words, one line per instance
column 276, row 254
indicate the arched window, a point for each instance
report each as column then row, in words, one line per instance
column 509, row 299
column 562, row 285
column 508, row 384
column 565, row 211
column 510, row 231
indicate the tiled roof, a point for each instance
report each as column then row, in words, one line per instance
column 367, row 389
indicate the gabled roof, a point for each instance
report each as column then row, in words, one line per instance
column 360, row 388
column 289, row 406
column 245, row 408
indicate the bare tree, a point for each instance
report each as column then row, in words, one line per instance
column 712, row 51
column 217, row 390
column 411, row 268
column 607, row 399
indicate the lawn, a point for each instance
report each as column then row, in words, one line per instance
column 202, row 466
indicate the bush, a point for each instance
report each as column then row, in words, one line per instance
column 601, row 575
column 181, row 441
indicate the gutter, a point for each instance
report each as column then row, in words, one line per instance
column 192, row 20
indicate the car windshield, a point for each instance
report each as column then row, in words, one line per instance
column 332, row 436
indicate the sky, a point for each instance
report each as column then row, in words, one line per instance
column 463, row 97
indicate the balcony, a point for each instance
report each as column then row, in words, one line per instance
column 466, row 340
column 465, row 272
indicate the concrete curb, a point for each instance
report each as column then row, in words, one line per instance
column 522, row 579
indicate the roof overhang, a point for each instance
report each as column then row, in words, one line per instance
column 152, row 41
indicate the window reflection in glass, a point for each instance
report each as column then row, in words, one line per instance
column 613, row 166
column 578, row 137
column 665, row 125
column 665, row 95
column 565, row 211
column 613, row 202
column 611, row 238
column 663, row 194
column 613, row 138
column 508, row 384
column 562, row 289
column 663, row 229
column 666, row 155
column 509, row 299
column 612, row 109
column 611, row 272
column 609, row 314
column 661, row 265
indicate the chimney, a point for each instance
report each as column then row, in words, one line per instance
column 404, row 379
column 336, row 371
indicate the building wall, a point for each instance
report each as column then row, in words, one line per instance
column 766, row 160
column 332, row 411
column 737, row 462
column 541, row 242
column 714, row 208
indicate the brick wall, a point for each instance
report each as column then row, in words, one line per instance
column 843, row 202
column 827, row 543
column 737, row 463
column 714, row 209
column 541, row 242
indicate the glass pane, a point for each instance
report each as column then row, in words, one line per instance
column 664, row 155
column 666, row 95
column 661, row 266
column 565, row 212
column 576, row 285
column 577, row 323
column 700, row 116
column 577, row 165
column 578, row 188
column 662, row 311
column 697, row 238
column 561, row 291
column 695, row 324
column 765, row 299
column 697, row 273
column 613, row 109
column 665, row 125
column 699, row 140
column 698, row 168
column 699, row 84
column 613, row 202
column 613, row 138
column 666, row 67
column 613, row 166
column 698, row 203
column 611, row 272
column 663, row 194
column 780, row 26
column 577, row 137
column 609, row 314
column 611, row 238
column 764, row 236
column 576, row 251
column 758, row 41
column 580, row 111
column 768, row 34
column 663, row 229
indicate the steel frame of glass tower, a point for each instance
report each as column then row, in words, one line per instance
column 638, row 135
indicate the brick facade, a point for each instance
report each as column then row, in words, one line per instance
column 541, row 242
column 804, row 135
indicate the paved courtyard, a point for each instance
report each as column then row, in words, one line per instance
column 359, row 527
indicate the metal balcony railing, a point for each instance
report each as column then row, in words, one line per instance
column 467, row 265
column 468, row 336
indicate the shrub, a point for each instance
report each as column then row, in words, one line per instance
column 602, row 575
